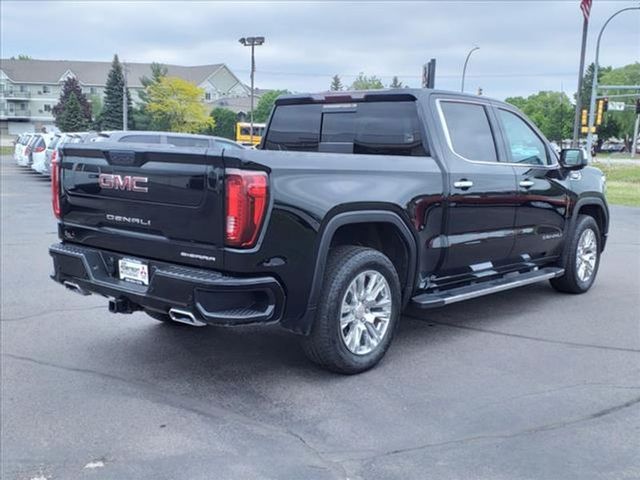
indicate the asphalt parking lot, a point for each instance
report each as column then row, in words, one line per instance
column 527, row 384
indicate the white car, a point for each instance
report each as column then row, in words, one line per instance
column 24, row 159
column 21, row 145
column 38, row 154
column 53, row 149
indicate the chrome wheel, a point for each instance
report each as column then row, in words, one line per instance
column 586, row 255
column 365, row 312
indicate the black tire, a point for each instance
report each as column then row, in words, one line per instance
column 570, row 282
column 325, row 345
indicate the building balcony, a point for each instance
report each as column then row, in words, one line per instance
column 15, row 95
column 15, row 113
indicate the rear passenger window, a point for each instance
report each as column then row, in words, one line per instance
column 188, row 142
column 374, row 128
column 140, row 139
column 469, row 131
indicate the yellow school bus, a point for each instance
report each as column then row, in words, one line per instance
column 243, row 133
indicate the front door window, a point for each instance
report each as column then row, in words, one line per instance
column 525, row 146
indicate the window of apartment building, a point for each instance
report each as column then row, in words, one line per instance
column 93, row 90
column 207, row 96
column 47, row 107
column 46, row 89
column 22, row 88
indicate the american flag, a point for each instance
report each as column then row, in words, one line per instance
column 585, row 6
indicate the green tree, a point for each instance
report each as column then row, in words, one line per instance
column 265, row 104
column 336, row 84
column 620, row 124
column 71, row 89
column 22, row 56
column 395, row 83
column 178, row 104
column 225, row 123
column 552, row 112
column 111, row 115
column 143, row 118
column 72, row 118
column 362, row 82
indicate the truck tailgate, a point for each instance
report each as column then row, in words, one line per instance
column 145, row 200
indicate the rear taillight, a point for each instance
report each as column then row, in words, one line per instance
column 246, row 205
column 39, row 149
column 55, row 184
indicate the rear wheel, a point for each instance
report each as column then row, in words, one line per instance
column 358, row 311
column 582, row 258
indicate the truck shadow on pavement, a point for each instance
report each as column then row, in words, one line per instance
column 223, row 354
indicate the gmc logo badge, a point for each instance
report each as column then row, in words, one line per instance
column 109, row 181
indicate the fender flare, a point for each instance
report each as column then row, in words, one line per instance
column 591, row 200
column 587, row 201
column 326, row 236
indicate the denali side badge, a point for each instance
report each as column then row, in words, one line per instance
column 110, row 181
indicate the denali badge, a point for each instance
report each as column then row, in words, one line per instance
column 129, row 220
column 198, row 256
column 123, row 182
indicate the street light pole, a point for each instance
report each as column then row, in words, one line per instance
column 252, row 42
column 464, row 69
column 594, row 81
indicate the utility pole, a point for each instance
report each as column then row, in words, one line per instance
column 634, row 141
column 594, row 83
column 576, row 119
column 252, row 42
column 125, row 104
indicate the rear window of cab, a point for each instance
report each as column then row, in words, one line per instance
column 373, row 128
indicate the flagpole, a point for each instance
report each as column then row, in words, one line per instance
column 576, row 120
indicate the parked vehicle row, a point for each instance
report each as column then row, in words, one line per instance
column 39, row 150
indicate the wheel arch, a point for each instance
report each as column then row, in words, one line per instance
column 337, row 229
column 596, row 208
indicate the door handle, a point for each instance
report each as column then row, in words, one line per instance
column 463, row 184
column 527, row 183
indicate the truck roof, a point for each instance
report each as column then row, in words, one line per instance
column 350, row 95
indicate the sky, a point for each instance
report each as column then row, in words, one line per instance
column 525, row 46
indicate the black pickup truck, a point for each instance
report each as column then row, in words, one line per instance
column 356, row 206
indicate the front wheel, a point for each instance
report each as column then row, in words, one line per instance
column 358, row 312
column 582, row 259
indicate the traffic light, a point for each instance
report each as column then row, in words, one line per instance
column 599, row 111
column 605, row 104
column 638, row 106
column 583, row 117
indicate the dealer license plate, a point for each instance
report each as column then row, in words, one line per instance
column 133, row 271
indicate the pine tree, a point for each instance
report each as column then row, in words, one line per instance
column 395, row 83
column 71, row 90
column 72, row 118
column 143, row 119
column 336, row 84
column 111, row 116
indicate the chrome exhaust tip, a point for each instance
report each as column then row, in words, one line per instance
column 184, row 316
column 74, row 287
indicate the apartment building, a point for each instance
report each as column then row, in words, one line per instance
column 30, row 88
